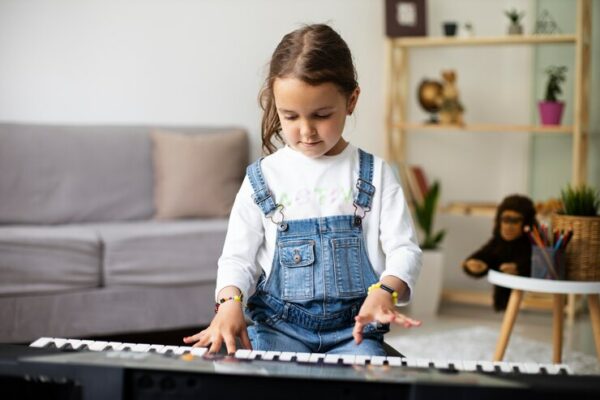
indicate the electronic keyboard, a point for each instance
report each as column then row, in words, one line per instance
column 114, row 370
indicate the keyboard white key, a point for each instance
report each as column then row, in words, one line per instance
column 440, row 364
column 98, row 346
column 394, row 361
column 410, row 362
column 377, row 360
column 41, row 342
column 554, row 369
column 286, row 356
column 348, row 359
column 504, row 366
column 114, row 346
column 256, row 354
column 469, row 365
column 243, row 354
column 59, row 342
column 362, row 360
column 198, row 351
column 316, row 357
column 155, row 348
column 423, row 362
column 302, row 357
column 270, row 355
column 531, row 368
column 486, row 366
column 167, row 349
column 141, row 347
column 458, row 364
column 332, row 358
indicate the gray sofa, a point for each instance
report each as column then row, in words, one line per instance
column 80, row 252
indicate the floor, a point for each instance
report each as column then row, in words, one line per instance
column 533, row 325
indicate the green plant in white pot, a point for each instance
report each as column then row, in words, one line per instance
column 428, row 290
column 551, row 108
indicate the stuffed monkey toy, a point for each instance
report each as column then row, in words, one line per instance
column 509, row 249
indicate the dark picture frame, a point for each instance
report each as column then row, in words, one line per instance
column 405, row 18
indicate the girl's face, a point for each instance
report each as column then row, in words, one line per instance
column 312, row 117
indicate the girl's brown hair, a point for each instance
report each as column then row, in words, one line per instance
column 315, row 54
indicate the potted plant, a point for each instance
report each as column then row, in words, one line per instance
column 428, row 290
column 515, row 27
column 551, row 108
column 579, row 214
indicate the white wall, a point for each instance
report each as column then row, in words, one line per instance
column 170, row 61
column 203, row 62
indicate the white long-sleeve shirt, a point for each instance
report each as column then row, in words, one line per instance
column 313, row 188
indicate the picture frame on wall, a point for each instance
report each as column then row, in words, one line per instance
column 405, row 18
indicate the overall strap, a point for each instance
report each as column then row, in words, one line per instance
column 262, row 195
column 364, row 196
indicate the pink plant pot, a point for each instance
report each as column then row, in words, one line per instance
column 551, row 112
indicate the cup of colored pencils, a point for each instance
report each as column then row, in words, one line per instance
column 548, row 251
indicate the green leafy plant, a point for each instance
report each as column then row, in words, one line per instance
column 556, row 77
column 582, row 200
column 514, row 15
column 425, row 214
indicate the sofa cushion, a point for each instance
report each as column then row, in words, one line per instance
column 37, row 259
column 66, row 174
column 197, row 176
column 161, row 253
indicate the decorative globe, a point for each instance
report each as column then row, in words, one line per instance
column 429, row 94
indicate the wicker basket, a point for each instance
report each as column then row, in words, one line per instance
column 583, row 252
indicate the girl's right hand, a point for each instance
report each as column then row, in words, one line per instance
column 227, row 325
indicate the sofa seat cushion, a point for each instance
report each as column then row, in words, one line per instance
column 161, row 253
column 48, row 259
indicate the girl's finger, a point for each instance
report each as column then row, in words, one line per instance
column 358, row 328
column 216, row 345
column 204, row 341
column 405, row 321
column 193, row 338
column 230, row 344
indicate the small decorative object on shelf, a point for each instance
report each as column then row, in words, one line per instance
column 451, row 109
column 405, row 18
column 467, row 30
column 551, row 108
column 509, row 249
column 579, row 214
column 546, row 25
column 429, row 95
column 515, row 27
column 450, row 28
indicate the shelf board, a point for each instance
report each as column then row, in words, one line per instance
column 565, row 129
column 470, row 208
column 441, row 41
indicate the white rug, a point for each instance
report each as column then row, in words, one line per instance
column 478, row 343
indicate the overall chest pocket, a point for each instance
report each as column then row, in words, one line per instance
column 347, row 265
column 297, row 260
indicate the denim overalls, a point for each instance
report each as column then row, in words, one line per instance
column 319, row 277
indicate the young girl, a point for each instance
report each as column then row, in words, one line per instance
column 320, row 240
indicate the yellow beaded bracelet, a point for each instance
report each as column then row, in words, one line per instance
column 388, row 289
column 239, row 298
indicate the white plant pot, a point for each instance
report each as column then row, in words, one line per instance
column 428, row 290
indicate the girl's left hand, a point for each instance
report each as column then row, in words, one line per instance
column 378, row 306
